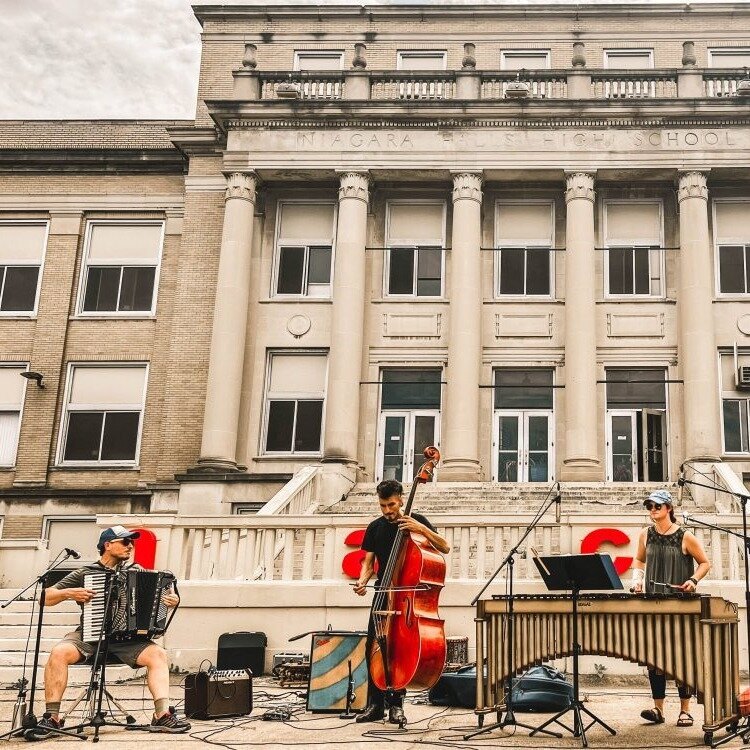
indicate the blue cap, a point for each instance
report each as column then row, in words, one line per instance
column 116, row 532
column 660, row 497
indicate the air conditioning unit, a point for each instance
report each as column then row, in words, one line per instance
column 288, row 90
column 743, row 87
column 743, row 378
column 517, row 90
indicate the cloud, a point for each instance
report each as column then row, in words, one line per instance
column 67, row 59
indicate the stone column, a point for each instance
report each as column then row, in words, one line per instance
column 347, row 322
column 581, row 462
column 227, row 354
column 697, row 352
column 460, row 423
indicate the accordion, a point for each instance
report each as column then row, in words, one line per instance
column 136, row 609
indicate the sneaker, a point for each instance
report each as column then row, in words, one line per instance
column 169, row 723
column 44, row 730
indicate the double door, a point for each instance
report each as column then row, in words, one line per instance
column 403, row 436
column 523, row 447
column 636, row 445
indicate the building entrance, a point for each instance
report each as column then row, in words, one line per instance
column 524, row 447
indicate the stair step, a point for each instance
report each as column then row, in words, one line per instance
column 50, row 618
column 18, row 645
column 48, row 631
column 78, row 675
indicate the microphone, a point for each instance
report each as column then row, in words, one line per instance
column 558, row 504
column 680, row 484
column 72, row 553
column 685, row 517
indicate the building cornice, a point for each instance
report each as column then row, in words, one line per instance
column 98, row 160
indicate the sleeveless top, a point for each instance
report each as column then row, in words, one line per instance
column 665, row 560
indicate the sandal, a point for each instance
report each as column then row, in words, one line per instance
column 684, row 719
column 654, row 715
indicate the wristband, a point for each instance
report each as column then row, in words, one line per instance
column 638, row 576
column 694, row 580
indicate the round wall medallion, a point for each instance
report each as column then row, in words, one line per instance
column 298, row 325
column 743, row 323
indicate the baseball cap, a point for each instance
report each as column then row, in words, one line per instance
column 116, row 532
column 660, row 497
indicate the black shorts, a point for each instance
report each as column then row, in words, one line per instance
column 126, row 651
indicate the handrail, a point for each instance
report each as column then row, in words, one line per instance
column 295, row 497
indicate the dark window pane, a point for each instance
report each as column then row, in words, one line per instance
column 280, row 426
column 291, row 264
column 102, row 285
column 429, row 261
column 732, row 425
column 319, row 270
column 731, row 271
column 309, row 419
column 620, row 270
column 401, row 271
column 523, row 389
column 747, row 268
column 19, row 293
column 137, row 290
column 511, row 270
column 411, row 389
column 537, row 271
column 120, row 436
column 84, row 435
column 642, row 280
column 626, row 389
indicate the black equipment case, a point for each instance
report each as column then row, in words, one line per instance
column 242, row 650
column 214, row 695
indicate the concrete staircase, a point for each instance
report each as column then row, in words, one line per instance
column 466, row 498
column 14, row 630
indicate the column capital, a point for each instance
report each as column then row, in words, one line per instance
column 692, row 184
column 354, row 185
column 579, row 185
column 241, row 185
column 467, row 186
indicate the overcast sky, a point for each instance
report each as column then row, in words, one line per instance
column 112, row 58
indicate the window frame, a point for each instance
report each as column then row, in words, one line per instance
column 735, row 395
column 623, row 51
column 86, row 265
column 505, row 54
column 530, row 245
column 404, row 244
column 60, row 461
column 24, row 367
column 319, row 53
column 718, row 242
column 31, row 314
column 724, row 449
column 712, row 51
column 292, row 396
column 634, row 246
column 406, row 53
column 309, row 244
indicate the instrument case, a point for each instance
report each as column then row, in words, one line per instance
column 242, row 650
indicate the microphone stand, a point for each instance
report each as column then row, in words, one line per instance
column 29, row 720
column 510, row 717
column 348, row 713
column 736, row 730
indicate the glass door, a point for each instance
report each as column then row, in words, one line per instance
column 524, row 447
column 403, row 438
column 654, row 445
column 622, row 461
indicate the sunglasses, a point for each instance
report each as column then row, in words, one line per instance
column 125, row 542
column 653, row 506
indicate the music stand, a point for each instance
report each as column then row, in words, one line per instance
column 573, row 573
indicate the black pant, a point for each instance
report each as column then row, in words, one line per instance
column 376, row 696
column 658, row 682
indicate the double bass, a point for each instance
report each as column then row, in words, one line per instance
column 408, row 650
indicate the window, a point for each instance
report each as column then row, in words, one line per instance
column 104, row 406
column 415, row 240
column 636, row 389
column 729, row 57
column 732, row 232
column 318, row 60
column 304, row 256
column 529, row 59
column 524, row 236
column 12, row 389
column 523, row 389
column 411, row 389
column 628, row 59
column 120, row 269
column 633, row 238
column 422, row 60
column 22, row 246
column 735, row 403
column 294, row 402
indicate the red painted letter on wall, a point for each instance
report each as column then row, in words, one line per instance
column 594, row 539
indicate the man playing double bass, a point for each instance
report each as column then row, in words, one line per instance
column 377, row 543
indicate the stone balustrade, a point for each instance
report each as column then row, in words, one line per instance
column 408, row 85
column 542, row 84
column 633, row 84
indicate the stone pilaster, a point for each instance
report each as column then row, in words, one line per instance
column 347, row 322
column 581, row 462
column 460, row 423
column 697, row 352
column 226, row 358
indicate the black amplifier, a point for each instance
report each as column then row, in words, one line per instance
column 219, row 693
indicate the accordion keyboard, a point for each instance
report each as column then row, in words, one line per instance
column 93, row 611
